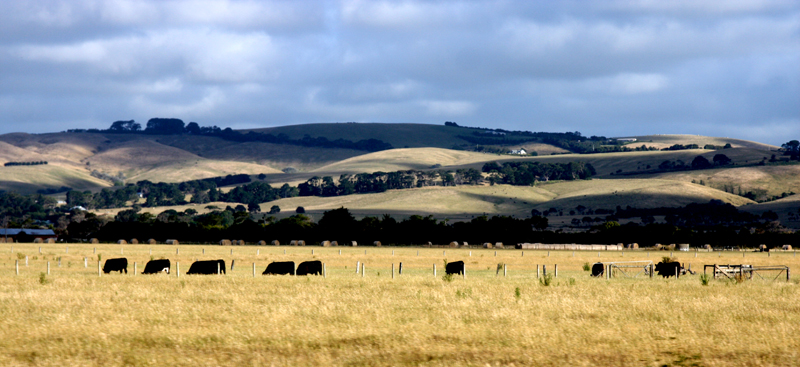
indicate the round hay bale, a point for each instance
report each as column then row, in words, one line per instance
column 454, row 244
column 762, row 248
column 326, row 243
column 632, row 246
column 355, row 244
column 241, row 243
column 498, row 245
column 334, row 243
column 262, row 243
column 172, row 242
column 465, row 245
column 275, row 243
column 38, row 240
column 683, row 247
column 787, row 247
column 225, row 242
column 2, row 239
column 134, row 241
column 671, row 247
column 658, row 246
column 94, row 240
column 487, row 245
column 122, row 242
column 377, row 243
column 301, row 243
column 151, row 242
column 50, row 240
column 707, row 247
column 293, row 243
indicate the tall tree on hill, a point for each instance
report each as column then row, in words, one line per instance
column 125, row 126
column 162, row 126
column 792, row 149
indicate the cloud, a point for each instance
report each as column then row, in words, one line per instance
column 599, row 67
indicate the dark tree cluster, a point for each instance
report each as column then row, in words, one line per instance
column 527, row 173
column 36, row 163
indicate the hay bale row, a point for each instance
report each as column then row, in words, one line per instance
column 334, row 243
column 632, row 245
column 225, row 242
column 487, row 245
column 297, row 243
column 787, row 248
column 50, row 240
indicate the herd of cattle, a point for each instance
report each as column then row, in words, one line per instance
column 218, row 266
column 664, row 269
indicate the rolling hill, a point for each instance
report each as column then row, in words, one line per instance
column 625, row 178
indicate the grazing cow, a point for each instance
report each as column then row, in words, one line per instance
column 118, row 264
column 309, row 268
column 279, row 268
column 455, row 267
column 157, row 266
column 207, row 267
column 670, row 269
column 598, row 269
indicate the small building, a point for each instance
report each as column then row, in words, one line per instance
column 26, row 234
column 520, row 151
column 626, row 140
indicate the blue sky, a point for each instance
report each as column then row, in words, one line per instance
column 611, row 67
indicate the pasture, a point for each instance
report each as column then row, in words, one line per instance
column 75, row 317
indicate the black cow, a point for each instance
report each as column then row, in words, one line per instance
column 118, row 264
column 598, row 269
column 279, row 268
column 309, row 267
column 207, row 267
column 455, row 267
column 670, row 269
column 156, row 266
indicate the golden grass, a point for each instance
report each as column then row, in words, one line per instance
column 78, row 318
column 409, row 159
column 668, row 140
column 28, row 179
column 774, row 179
column 517, row 200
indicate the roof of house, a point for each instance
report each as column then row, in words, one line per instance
column 32, row 232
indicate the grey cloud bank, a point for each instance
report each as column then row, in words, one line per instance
column 615, row 68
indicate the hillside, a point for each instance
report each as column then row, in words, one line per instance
column 469, row 201
column 665, row 141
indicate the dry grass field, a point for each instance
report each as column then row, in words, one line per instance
column 75, row 317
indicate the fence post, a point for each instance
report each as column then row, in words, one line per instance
column 218, row 269
column 505, row 270
column 358, row 266
column 85, row 262
column 392, row 270
column 787, row 273
column 312, row 251
column 233, row 262
column 177, row 269
column 151, row 251
column 417, row 252
column 177, row 251
column 26, row 260
column 204, row 251
column 537, row 271
column 16, row 266
column 555, row 271
column 495, row 253
column 651, row 270
column 135, row 269
column 573, row 253
column 254, row 270
column 444, row 253
column 67, row 250
column 548, row 253
column 400, row 269
column 94, row 250
column 470, row 253
column 40, row 250
column 363, row 270
column 324, row 270
column 59, row 261
column 434, row 270
column 340, row 252
column 392, row 252
column 544, row 271
column 258, row 252
column 677, row 272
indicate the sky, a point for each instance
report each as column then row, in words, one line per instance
column 728, row 68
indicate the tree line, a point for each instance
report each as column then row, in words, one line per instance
column 173, row 126
column 36, row 163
